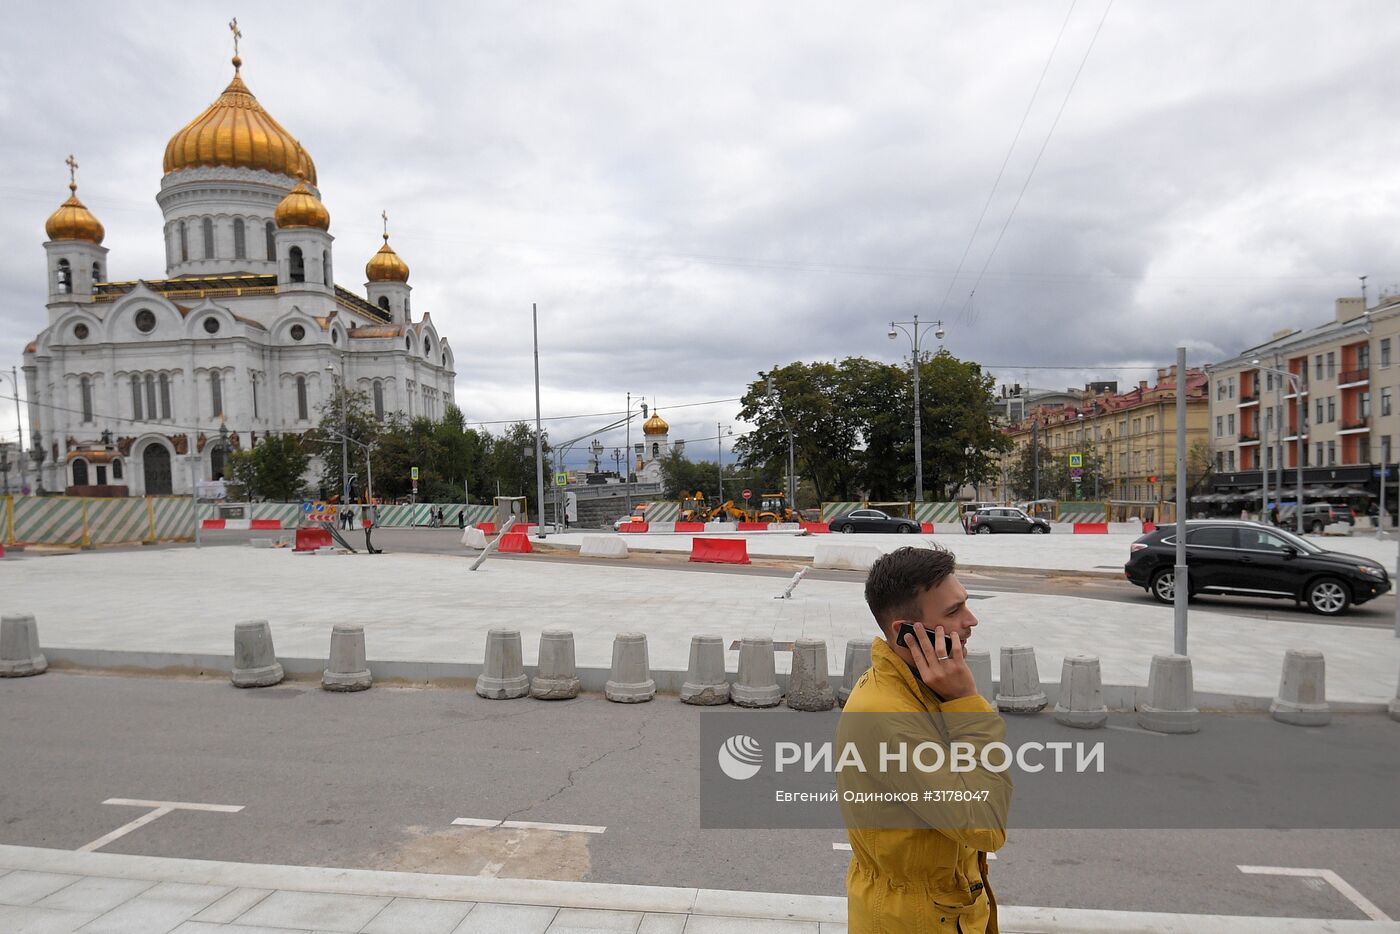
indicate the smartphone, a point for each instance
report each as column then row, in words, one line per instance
column 907, row 629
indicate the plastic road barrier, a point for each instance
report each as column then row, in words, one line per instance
column 720, row 550
column 488, row 527
column 1091, row 528
column 309, row 538
column 690, row 526
column 753, row 526
column 514, row 543
column 634, row 527
column 817, row 528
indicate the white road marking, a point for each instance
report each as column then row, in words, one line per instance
column 1366, row 906
column 476, row 822
column 1132, row 729
column 527, row 825
column 158, row 809
column 847, row 848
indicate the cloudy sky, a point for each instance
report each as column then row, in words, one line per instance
column 693, row 192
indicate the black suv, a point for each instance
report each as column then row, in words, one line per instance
column 1004, row 519
column 1249, row 559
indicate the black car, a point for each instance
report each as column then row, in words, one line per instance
column 872, row 520
column 1005, row 519
column 1250, row 559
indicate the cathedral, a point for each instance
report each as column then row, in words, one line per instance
column 144, row 386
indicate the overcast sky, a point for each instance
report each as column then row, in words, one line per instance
column 693, row 192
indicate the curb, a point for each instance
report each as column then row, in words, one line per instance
column 1121, row 698
column 716, row 903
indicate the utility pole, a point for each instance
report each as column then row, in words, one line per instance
column 1035, row 461
column 719, row 459
column 1180, row 584
column 539, row 438
column 627, row 477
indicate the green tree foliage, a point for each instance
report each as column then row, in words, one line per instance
column 1056, row 481
column 273, row 470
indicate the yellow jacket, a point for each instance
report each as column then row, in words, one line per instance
column 921, row 879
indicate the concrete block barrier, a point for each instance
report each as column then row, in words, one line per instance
column 926, row 528
column 719, row 550
column 720, row 527
column 503, row 672
column 20, row 656
column 255, row 662
column 836, row 554
column 980, row 661
column 473, row 537
column 661, row 526
column 1302, row 690
column 705, row 681
column 690, row 527
column 631, row 681
column 753, row 526
column 1020, row 681
column 262, row 542
column 1080, row 703
column 265, row 524
column 635, row 527
column 556, row 677
column 514, row 543
column 1171, row 697
column 809, row 682
column 857, row 664
column 785, row 527
column 1125, row 528
column 347, row 669
column 602, row 546
column 757, row 683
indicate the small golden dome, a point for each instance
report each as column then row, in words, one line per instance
column 300, row 208
column 236, row 132
column 73, row 221
column 386, row 265
column 656, row 425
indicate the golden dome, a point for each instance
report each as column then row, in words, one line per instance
column 386, row 265
column 300, row 208
column 236, row 132
column 656, row 425
column 73, row 221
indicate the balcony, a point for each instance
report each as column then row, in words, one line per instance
column 1248, row 438
column 1246, row 399
column 1351, row 378
column 1354, row 425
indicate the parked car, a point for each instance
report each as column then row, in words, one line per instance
column 1250, row 559
column 1316, row 516
column 872, row 520
column 1005, row 519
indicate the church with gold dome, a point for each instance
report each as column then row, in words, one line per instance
column 148, row 383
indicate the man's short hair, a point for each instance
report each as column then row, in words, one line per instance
column 897, row 580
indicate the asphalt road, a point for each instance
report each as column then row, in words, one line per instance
column 375, row 780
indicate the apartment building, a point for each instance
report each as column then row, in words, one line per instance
column 1336, row 383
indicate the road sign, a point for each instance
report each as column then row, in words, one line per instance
column 413, row 473
column 306, row 507
column 748, row 494
column 1076, row 472
column 561, row 479
column 1076, row 460
column 1382, row 472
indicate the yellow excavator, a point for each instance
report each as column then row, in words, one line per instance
column 728, row 512
column 773, row 507
column 693, row 508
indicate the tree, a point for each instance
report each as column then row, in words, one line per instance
column 1056, row 482
column 273, row 470
column 358, row 423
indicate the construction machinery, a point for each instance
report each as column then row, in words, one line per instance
column 728, row 512
column 773, row 507
column 693, row 507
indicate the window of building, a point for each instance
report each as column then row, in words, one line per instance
column 1317, row 367
column 1363, row 357
column 211, row 325
column 271, row 243
column 80, row 472
column 184, row 242
column 145, row 321
column 1320, row 416
column 151, row 394
column 1269, row 458
column 1230, row 457
column 384, row 302
column 64, row 282
column 164, row 396
column 1219, row 389
column 1230, row 419
column 1219, row 460
column 379, row 400
column 253, row 385
column 1268, row 422
column 216, row 393
column 136, row 398
column 1385, row 352
column 326, row 267
column 101, row 474
column 218, row 458
column 1331, row 408
column 240, row 240
column 1363, row 449
column 1230, row 385
column 1331, row 453
column 85, row 385
column 1331, row 364
column 1385, row 449
column 80, row 331
column 1385, row 401
column 1151, row 422
column 297, row 332
column 1363, row 404
column 208, row 238
column 117, row 469
column 301, row 399
column 1317, row 454
column 96, row 273
column 1219, row 426
column 296, row 266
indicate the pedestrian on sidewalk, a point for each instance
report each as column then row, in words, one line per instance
column 461, row 518
column 918, row 866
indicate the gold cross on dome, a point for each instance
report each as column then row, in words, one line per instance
column 237, row 33
column 385, row 215
column 72, row 171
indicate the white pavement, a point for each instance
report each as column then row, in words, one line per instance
column 430, row 608
column 55, row 891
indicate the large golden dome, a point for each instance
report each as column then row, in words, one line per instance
column 300, row 208
column 386, row 265
column 236, row 132
column 656, row 425
column 73, row 221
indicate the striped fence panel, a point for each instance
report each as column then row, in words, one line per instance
column 110, row 521
column 49, row 520
column 938, row 512
column 172, row 518
column 663, row 511
column 7, row 511
column 1082, row 512
column 289, row 514
column 832, row 510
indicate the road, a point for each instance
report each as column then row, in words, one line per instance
column 375, row 780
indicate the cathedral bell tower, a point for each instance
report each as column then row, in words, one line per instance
column 77, row 260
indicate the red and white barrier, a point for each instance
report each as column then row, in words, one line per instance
column 517, row 543
column 311, row 537
column 690, row 526
column 634, row 527
column 720, row 550
column 752, row 526
column 1091, row 528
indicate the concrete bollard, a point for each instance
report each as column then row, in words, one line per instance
column 1081, row 693
column 857, row 664
column 502, row 673
column 809, row 682
column 255, row 662
column 980, row 661
column 347, row 670
column 1020, row 681
column 757, row 683
column 1171, row 701
column 556, row 677
column 631, row 681
column 1302, row 690
column 20, row 656
column 705, row 681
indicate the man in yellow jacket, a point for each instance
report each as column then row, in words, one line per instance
column 921, row 865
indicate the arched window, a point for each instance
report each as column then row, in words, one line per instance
column 80, row 472
column 384, row 302
column 301, row 399
column 296, row 265
column 271, row 243
column 326, row 268
column 65, row 277
column 655, row 450
column 379, row 400
column 408, row 344
column 96, row 273
column 216, row 392
column 117, row 469
column 218, row 458
column 86, row 387
column 208, row 238
column 427, row 346
column 136, row 398
column 184, row 242
column 240, row 240
column 151, row 394
column 155, row 461
column 164, row 396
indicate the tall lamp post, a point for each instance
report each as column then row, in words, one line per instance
column 627, row 478
column 720, row 432
column 938, row 332
column 1094, row 417
column 344, row 432
column 1295, row 382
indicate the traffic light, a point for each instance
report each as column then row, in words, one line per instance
column 1152, row 479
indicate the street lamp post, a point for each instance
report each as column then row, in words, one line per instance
column 1295, row 382
column 938, row 332
column 719, row 457
column 1094, row 418
column 627, row 478
column 344, row 432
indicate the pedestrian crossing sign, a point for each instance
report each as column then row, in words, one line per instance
column 1076, row 460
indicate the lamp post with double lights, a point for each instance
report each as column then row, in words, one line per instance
column 914, row 337
column 720, row 432
column 1295, row 382
column 627, row 477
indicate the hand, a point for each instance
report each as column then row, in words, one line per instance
column 947, row 676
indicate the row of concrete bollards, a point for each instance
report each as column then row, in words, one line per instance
column 255, row 663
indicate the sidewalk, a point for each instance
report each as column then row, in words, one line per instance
column 56, row 891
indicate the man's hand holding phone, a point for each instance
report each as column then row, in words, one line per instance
column 946, row 674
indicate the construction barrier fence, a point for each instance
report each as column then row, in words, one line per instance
column 945, row 513
column 83, row 521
